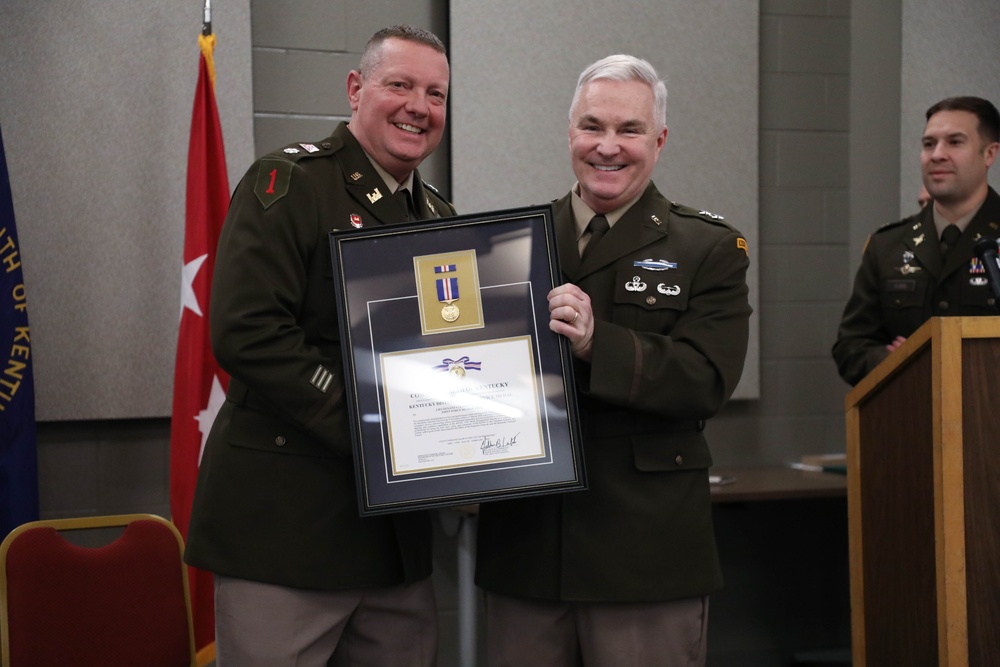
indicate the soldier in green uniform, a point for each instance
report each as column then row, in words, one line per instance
column 656, row 313
column 923, row 266
column 300, row 578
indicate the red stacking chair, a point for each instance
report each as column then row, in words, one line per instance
column 124, row 603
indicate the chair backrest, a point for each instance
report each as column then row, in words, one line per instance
column 124, row 603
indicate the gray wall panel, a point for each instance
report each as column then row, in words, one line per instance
column 948, row 49
column 96, row 116
column 302, row 82
column 509, row 114
column 300, row 24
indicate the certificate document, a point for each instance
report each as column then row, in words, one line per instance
column 457, row 391
column 462, row 406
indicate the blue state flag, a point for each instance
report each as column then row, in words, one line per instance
column 18, row 451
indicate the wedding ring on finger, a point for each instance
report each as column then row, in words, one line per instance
column 575, row 316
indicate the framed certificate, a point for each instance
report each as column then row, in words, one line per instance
column 457, row 391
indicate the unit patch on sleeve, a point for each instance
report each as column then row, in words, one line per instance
column 272, row 181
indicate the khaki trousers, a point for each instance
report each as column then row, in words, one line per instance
column 536, row 633
column 262, row 625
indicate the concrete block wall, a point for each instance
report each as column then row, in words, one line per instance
column 302, row 53
column 804, row 130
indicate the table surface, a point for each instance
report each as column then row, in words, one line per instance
column 775, row 483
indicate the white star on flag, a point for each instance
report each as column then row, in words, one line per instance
column 199, row 382
column 207, row 416
column 188, row 298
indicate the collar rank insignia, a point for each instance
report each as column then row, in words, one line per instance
column 916, row 226
column 292, row 151
column 917, row 240
column 356, row 221
column 355, row 176
column 430, row 206
column 655, row 219
column 654, row 264
column 374, row 196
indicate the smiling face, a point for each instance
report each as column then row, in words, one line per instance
column 614, row 141
column 955, row 158
column 398, row 110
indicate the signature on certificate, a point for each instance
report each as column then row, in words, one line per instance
column 499, row 445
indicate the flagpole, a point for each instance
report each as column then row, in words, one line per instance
column 206, row 24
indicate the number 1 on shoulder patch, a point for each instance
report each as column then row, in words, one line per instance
column 273, row 177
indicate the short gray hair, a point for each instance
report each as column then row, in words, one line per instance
column 623, row 67
column 372, row 57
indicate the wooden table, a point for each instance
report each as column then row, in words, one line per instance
column 776, row 483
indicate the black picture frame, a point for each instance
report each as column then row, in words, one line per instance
column 457, row 390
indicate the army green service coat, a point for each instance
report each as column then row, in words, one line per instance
column 668, row 351
column 902, row 283
column 276, row 499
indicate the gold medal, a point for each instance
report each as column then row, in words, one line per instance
column 450, row 312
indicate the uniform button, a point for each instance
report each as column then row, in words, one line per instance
column 991, row 301
column 651, row 300
column 679, row 460
column 326, row 144
column 280, row 441
column 943, row 305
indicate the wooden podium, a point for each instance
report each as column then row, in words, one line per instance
column 923, row 454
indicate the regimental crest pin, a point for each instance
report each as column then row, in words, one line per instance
column 356, row 221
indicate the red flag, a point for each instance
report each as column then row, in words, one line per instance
column 199, row 383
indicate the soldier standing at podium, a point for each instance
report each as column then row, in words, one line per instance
column 923, row 266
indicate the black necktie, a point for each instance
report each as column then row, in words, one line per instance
column 598, row 228
column 949, row 236
column 402, row 195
